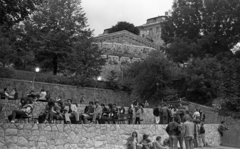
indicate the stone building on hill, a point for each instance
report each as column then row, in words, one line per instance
column 123, row 47
column 152, row 30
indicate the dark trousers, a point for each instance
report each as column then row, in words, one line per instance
column 137, row 120
column 16, row 114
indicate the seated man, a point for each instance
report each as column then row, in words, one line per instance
column 88, row 113
column 97, row 112
column 55, row 112
column 45, row 115
column 42, row 95
column 13, row 95
column 25, row 110
column 71, row 110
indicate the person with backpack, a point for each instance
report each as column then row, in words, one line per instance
column 201, row 136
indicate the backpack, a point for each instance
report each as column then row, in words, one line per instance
column 202, row 130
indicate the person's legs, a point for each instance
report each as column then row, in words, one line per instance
column 191, row 144
column 94, row 117
column 76, row 114
column 170, row 142
column 67, row 117
column 180, row 140
column 203, row 140
column 187, row 142
column 175, row 141
column 17, row 114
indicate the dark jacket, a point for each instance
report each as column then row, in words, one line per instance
column 172, row 129
column 156, row 112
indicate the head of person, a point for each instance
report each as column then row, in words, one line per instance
column 222, row 122
column 134, row 134
column 42, row 90
column 5, row 89
column 110, row 106
column 196, row 110
column 97, row 103
column 146, row 101
column 114, row 105
column 14, row 89
column 202, row 123
column 145, row 137
column 69, row 101
column 103, row 105
column 141, row 106
column 90, row 104
column 28, row 100
column 23, row 101
column 158, row 138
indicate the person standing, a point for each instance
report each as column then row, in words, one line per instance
column 172, row 130
column 130, row 114
column 165, row 114
column 156, row 114
column 201, row 136
column 202, row 116
column 188, row 133
column 221, row 128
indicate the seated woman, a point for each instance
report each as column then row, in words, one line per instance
column 56, row 111
column 24, row 111
column 146, row 143
column 13, row 95
column 132, row 142
column 105, row 113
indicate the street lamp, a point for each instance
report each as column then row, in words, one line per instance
column 99, row 78
column 37, row 69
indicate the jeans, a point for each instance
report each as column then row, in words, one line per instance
column 157, row 119
column 137, row 120
column 16, row 114
column 95, row 116
column 173, row 142
column 201, row 140
column 73, row 114
column 189, row 142
column 180, row 140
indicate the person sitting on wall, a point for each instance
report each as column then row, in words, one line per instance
column 45, row 115
column 5, row 94
column 105, row 113
column 56, row 111
column 145, row 104
column 88, row 113
column 25, row 110
column 32, row 95
column 97, row 112
column 42, row 95
column 71, row 111
column 113, row 112
column 13, row 95
column 132, row 142
column 146, row 142
column 157, row 144
column 139, row 112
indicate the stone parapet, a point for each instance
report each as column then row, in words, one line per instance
column 60, row 136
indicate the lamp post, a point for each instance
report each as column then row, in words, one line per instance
column 37, row 69
column 99, row 78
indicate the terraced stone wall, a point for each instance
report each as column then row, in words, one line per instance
column 60, row 136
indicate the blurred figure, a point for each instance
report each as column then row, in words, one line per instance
column 146, row 142
column 172, row 130
column 133, row 141
column 13, row 95
column 71, row 111
column 156, row 114
column 130, row 114
column 188, row 133
column 221, row 128
column 42, row 95
column 157, row 144
column 201, row 136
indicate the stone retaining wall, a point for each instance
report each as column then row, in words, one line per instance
column 67, row 91
column 60, row 136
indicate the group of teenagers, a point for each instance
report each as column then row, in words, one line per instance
column 57, row 109
column 188, row 128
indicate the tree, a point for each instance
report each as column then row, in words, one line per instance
column 55, row 29
column 124, row 26
column 152, row 78
column 14, row 11
column 203, row 80
column 211, row 24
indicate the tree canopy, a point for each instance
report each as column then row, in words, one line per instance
column 14, row 11
column 124, row 26
column 212, row 25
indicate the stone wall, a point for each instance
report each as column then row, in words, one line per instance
column 60, row 136
column 67, row 91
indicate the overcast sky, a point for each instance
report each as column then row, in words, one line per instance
column 104, row 14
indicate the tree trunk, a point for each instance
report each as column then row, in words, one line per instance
column 55, row 65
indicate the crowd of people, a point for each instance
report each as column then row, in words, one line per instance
column 58, row 109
